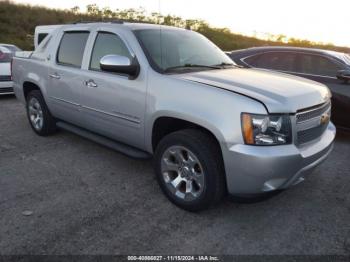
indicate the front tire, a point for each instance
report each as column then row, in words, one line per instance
column 189, row 169
column 39, row 116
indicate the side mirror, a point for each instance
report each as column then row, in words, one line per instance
column 344, row 75
column 120, row 64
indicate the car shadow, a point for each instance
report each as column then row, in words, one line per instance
column 7, row 97
column 253, row 199
column 343, row 135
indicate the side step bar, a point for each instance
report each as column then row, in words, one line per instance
column 114, row 145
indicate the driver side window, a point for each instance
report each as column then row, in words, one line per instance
column 107, row 44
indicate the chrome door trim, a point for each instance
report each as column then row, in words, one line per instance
column 305, row 74
column 296, row 73
column 63, row 100
column 116, row 115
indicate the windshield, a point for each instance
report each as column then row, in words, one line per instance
column 347, row 58
column 168, row 49
column 342, row 56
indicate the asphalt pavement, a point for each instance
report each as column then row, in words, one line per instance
column 66, row 195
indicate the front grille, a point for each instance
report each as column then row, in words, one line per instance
column 310, row 134
column 5, row 78
column 311, row 113
column 6, row 90
column 311, row 123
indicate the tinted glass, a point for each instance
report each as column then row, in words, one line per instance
column 251, row 60
column 107, row 44
column 41, row 37
column 317, row 65
column 347, row 59
column 72, row 47
column 341, row 56
column 283, row 61
column 44, row 44
column 168, row 48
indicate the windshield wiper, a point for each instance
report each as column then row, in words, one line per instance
column 223, row 64
column 190, row 66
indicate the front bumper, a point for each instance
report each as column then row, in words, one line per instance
column 6, row 87
column 258, row 169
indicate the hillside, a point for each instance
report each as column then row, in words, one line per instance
column 17, row 24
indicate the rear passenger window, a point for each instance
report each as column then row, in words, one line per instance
column 318, row 65
column 107, row 44
column 72, row 48
column 283, row 61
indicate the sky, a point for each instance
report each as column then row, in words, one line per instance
column 323, row 20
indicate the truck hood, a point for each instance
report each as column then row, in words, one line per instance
column 280, row 93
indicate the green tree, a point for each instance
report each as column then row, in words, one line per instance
column 18, row 22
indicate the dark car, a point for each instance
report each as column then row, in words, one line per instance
column 328, row 67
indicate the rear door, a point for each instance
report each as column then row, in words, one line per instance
column 113, row 105
column 65, row 79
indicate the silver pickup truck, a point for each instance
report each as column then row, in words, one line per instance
column 212, row 127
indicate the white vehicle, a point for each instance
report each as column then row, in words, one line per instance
column 6, row 54
column 41, row 32
column 10, row 47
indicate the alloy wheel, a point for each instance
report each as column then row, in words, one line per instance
column 35, row 113
column 183, row 173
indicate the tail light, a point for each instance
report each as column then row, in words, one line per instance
column 5, row 57
column 11, row 69
column 2, row 56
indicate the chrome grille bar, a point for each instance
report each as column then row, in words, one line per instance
column 311, row 123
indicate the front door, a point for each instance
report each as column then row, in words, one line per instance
column 113, row 105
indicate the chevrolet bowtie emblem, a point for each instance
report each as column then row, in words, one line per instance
column 325, row 119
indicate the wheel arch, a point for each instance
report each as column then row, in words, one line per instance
column 29, row 86
column 166, row 124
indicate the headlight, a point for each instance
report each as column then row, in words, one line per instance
column 266, row 129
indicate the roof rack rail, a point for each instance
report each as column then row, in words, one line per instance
column 135, row 21
column 92, row 21
column 113, row 21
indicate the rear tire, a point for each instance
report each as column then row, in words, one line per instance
column 189, row 169
column 39, row 116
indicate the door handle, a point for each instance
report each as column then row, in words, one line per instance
column 55, row 76
column 91, row 83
